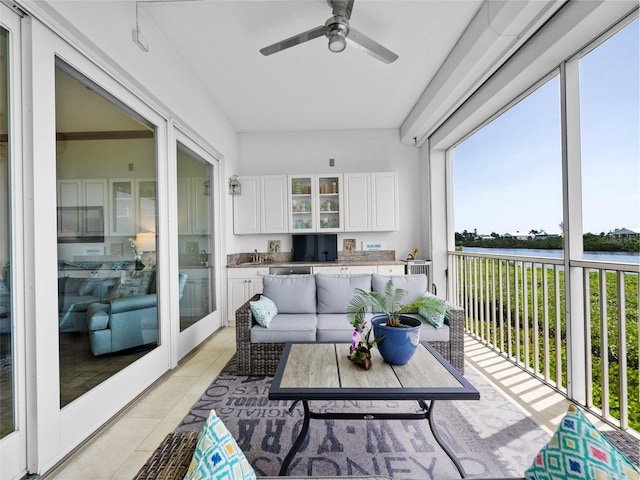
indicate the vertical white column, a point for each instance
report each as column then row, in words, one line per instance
column 439, row 212
column 572, row 229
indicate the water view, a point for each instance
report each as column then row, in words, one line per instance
column 611, row 257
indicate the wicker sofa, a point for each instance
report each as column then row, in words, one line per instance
column 312, row 308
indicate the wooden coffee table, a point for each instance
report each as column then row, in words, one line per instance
column 322, row 371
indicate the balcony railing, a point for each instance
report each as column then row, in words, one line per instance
column 516, row 306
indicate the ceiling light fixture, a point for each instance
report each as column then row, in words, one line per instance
column 337, row 29
column 337, row 42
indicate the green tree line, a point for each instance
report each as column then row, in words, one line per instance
column 591, row 242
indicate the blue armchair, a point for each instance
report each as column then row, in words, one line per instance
column 125, row 322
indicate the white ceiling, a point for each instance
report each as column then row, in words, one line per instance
column 307, row 87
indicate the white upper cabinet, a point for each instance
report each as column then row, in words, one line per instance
column 302, row 203
column 357, row 200
column 262, row 205
column 246, row 207
column 349, row 202
column 122, row 206
column 273, row 202
column 200, row 188
column 385, row 211
column 184, row 205
column 329, row 201
column 371, row 202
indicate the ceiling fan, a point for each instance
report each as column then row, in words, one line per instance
column 338, row 31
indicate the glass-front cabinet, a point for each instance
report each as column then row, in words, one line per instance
column 301, row 203
column 329, row 188
column 315, row 203
column 122, row 206
column 147, row 200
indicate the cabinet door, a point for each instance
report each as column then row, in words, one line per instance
column 184, row 205
column 273, row 204
column 236, row 295
column 357, row 198
column 200, row 204
column 246, row 207
column 329, row 201
column 302, row 204
column 146, row 205
column 95, row 193
column 385, row 211
column 121, row 206
column 391, row 269
column 69, row 192
column 239, row 290
column 254, row 287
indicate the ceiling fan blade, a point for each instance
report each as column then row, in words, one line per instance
column 293, row 41
column 372, row 47
column 341, row 8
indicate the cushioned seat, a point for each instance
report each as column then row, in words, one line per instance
column 287, row 327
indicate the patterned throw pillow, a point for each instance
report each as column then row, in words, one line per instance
column 217, row 454
column 578, row 451
column 435, row 313
column 263, row 310
column 133, row 283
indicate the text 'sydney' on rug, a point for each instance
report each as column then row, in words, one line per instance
column 491, row 437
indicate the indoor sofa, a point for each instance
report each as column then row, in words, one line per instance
column 75, row 295
column 130, row 318
column 313, row 308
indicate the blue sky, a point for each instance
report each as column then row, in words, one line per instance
column 507, row 176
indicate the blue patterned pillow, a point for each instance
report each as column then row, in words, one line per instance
column 435, row 312
column 264, row 310
column 578, row 451
column 217, row 454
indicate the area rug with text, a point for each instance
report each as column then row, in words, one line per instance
column 491, row 437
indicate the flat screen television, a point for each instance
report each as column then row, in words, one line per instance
column 317, row 247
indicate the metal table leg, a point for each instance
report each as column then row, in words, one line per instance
column 296, row 445
column 436, row 435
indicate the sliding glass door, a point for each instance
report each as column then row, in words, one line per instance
column 107, row 224
column 12, row 387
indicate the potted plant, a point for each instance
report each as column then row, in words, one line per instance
column 396, row 335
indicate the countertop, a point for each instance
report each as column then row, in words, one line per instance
column 343, row 263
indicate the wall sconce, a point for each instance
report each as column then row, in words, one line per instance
column 235, row 187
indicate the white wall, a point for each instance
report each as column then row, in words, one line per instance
column 160, row 76
column 353, row 151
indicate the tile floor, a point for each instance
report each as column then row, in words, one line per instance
column 138, row 431
column 141, row 427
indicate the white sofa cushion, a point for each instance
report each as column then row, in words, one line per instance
column 335, row 291
column 291, row 293
column 287, row 327
column 334, row 327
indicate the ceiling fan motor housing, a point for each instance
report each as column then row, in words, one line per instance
column 336, row 30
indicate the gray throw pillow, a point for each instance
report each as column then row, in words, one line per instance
column 291, row 293
column 415, row 285
column 335, row 291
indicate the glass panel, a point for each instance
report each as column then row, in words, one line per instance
column 301, row 203
column 609, row 123
column 329, row 202
column 7, row 385
column 106, row 170
column 507, row 178
column 195, row 237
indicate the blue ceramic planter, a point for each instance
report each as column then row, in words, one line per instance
column 399, row 344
